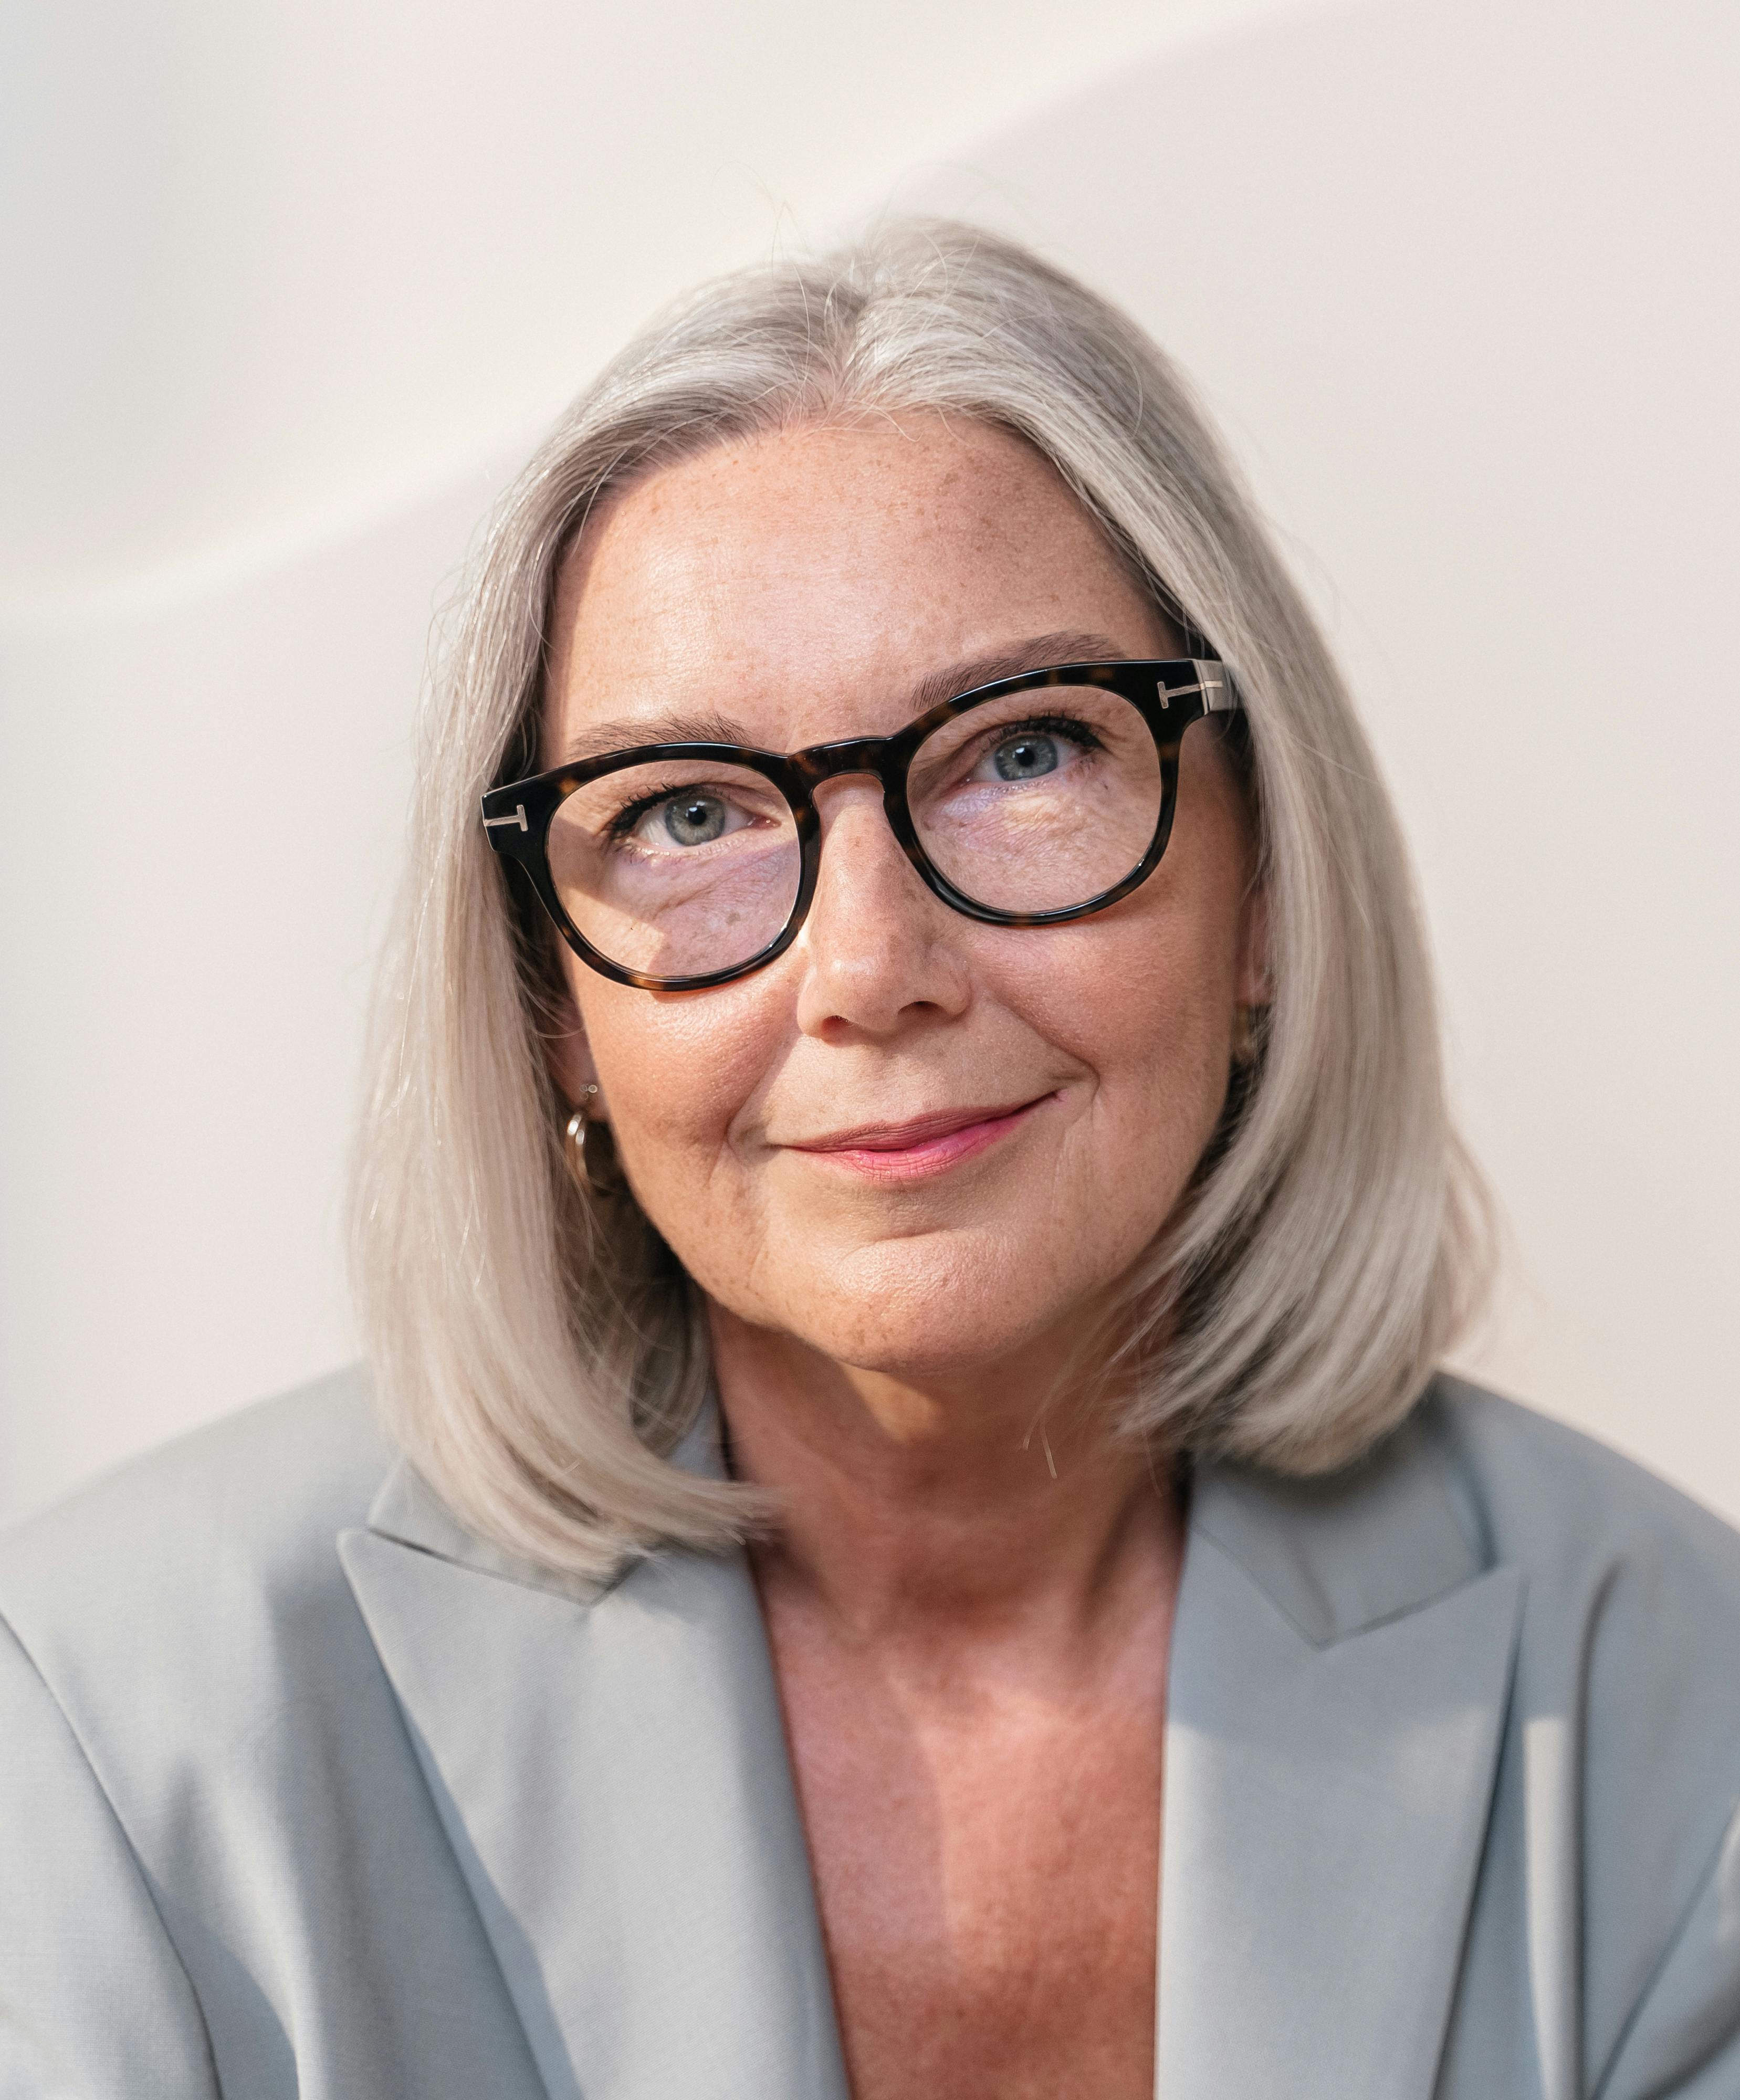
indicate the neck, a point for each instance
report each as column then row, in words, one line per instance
column 940, row 1510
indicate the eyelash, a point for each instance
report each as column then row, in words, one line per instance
column 1070, row 726
column 621, row 826
column 1078, row 732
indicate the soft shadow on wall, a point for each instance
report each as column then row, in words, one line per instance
column 1455, row 278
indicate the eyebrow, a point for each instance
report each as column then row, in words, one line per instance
column 1038, row 652
column 630, row 733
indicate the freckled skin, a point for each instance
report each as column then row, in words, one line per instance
column 970, row 1651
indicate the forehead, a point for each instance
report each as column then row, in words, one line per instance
column 803, row 582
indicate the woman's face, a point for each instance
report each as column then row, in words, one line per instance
column 915, row 1143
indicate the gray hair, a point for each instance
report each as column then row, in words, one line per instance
column 539, row 1352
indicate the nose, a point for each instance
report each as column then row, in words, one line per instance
column 879, row 953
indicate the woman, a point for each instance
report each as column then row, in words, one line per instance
column 907, row 1222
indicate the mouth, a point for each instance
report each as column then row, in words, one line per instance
column 925, row 1146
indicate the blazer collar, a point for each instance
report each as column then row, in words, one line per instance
column 610, row 1766
column 1340, row 1676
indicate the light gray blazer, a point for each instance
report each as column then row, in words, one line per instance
column 303, row 1791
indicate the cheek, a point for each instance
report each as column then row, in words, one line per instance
column 1128, row 1012
column 675, row 1071
column 1144, row 1003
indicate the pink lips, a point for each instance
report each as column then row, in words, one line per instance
column 927, row 1145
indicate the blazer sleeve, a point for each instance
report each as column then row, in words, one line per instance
column 95, row 2004
column 1683, row 2042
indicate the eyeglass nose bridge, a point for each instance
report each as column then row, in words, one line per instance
column 883, row 759
column 856, row 754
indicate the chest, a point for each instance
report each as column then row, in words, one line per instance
column 986, row 1859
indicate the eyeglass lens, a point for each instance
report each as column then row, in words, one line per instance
column 1038, row 801
column 676, row 868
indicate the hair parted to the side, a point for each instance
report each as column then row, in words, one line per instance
column 539, row 1353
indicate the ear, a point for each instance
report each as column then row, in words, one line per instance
column 1256, row 986
column 570, row 1057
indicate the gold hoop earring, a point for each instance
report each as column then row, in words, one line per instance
column 1244, row 1046
column 591, row 1154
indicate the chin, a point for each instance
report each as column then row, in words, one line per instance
column 937, row 1309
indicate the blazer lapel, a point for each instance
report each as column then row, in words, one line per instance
column 613, row 1774
column 1340, row 1675
column 611, row 1771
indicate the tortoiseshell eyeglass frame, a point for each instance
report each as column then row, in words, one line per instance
column 1169, row 693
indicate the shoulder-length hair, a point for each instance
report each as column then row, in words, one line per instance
column 539, row 1353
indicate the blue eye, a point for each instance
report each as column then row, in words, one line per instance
column 694, row 820
column 1026, row 756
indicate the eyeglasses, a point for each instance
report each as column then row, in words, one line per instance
column 1025, row 802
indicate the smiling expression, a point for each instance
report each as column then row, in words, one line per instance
column 915, row 1142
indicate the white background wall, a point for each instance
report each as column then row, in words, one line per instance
column 291, row 289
